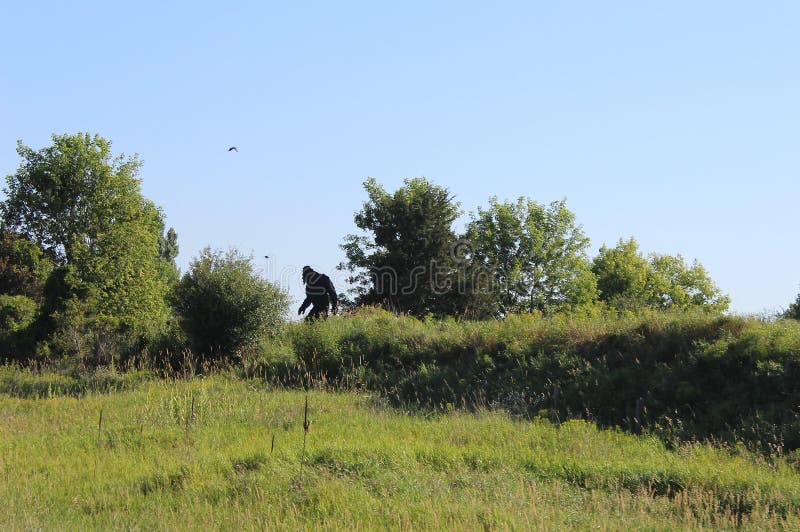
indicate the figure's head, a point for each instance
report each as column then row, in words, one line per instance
column 307, row 271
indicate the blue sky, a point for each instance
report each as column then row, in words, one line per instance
column 677, row 123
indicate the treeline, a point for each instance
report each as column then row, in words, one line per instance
column 88, row 274
column 519, row 256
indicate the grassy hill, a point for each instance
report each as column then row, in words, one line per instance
column 225, row 452
column 694, row 375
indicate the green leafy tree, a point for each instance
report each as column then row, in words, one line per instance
column 622, row 275
column 628, row 280
column 535, row 254
column 224, row 306
column 674, row 284
column 84, row 208
column 405, row 261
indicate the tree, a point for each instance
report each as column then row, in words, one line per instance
column 622, row 275
column 85, row 209
column 167, row 252
column 674, row 284
column 224, row 306
column 628, row 280
column 406, row 261
column 535, row 254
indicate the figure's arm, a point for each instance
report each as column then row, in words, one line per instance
column 304, row 306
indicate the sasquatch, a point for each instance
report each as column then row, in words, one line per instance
column 319, row 293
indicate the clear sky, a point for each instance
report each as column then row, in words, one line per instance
column 676, row 122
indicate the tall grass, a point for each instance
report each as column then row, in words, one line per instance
column 694, row 375
column 220, row 452
column 17, row 381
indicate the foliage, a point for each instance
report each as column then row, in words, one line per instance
column 167, row 252
column 793, row 312
column 223, row 453
column 675, row 285
column 85, row 209
column 17, row 314
column 535, row 254
column 626, row 280
column 700, row 375
column 23, row 266
column 405, row 263
column 74, row 328
column 224, row 306
column 622, row 275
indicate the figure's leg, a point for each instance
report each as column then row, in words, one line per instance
column 314, row 313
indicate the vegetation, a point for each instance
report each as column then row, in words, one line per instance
column 487, row 374
column 627, row 280
column 692, row 375
column 536, row 256
column 513, row 257
column 84, row 209
column 405, row 264
column 222, row 453
column 87, row 265
column 24, row 268
column 225, row 307
column 81, row 242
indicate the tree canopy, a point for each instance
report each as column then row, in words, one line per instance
column 628, row 280
column 536, row 255
column 405, row 259
column 84, row 208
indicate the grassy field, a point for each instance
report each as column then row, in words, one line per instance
column 698, row 375
column 226, row 453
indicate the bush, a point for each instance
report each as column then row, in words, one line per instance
column 225, row 307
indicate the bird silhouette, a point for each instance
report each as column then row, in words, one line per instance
column 233, row 148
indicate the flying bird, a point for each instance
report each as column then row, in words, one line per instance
column 233, row 148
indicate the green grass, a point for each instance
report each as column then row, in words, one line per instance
column 698, row 375
column 198, row 454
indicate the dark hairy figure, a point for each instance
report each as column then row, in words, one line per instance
column 320, row 293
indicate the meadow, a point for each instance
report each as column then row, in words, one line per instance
column 122, row 451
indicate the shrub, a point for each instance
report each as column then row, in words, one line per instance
column 225, row 307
